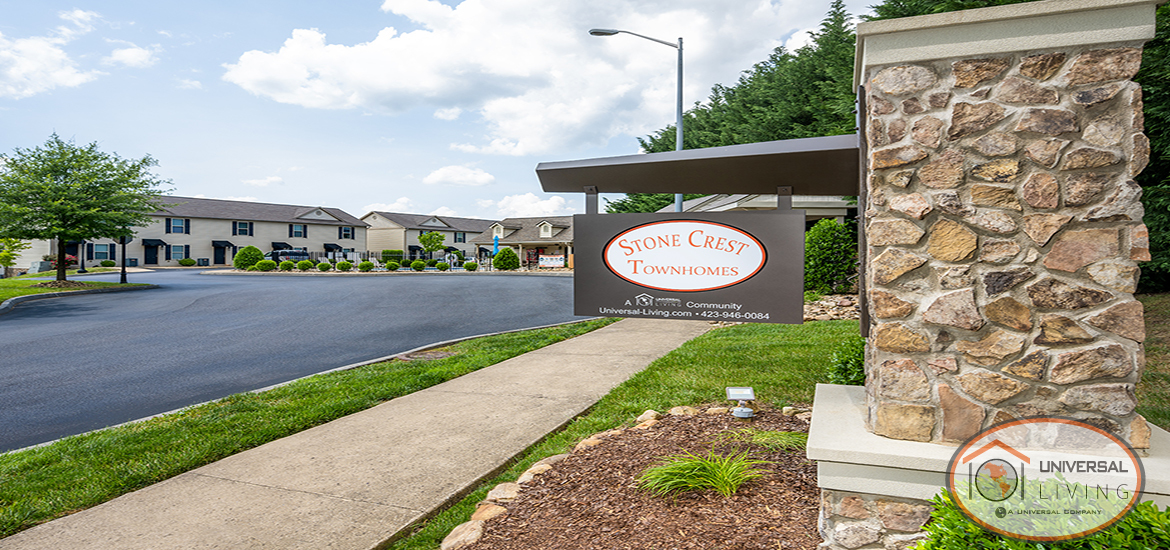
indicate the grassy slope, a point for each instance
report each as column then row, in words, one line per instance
column 1153, row 393
column 39, row 484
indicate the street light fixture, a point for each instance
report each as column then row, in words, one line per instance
column 678, row 137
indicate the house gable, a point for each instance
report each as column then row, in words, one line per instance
column 436, row 223
column 317, row 214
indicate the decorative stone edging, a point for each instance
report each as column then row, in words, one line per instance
column 493, row 505
column 11, row 303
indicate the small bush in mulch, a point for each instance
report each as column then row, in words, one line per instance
column 418, row 265
column 470, row 266
column 365, row 267
column 591, row 499
column 344, row 266
column 305, row 265
column 287, row 265
column 442, row 266
column 324, row 266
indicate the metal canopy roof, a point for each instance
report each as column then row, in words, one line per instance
column 811, row 166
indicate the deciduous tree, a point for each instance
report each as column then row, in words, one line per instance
column 64, row 192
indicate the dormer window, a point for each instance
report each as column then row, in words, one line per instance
column 546, row 230
column 498, row 231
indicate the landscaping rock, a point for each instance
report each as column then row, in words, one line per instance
column 683, row 410
column 649, row 415
column 488, row 511
column 717, row 410
column 532, row 472
column 462, row 536
column 505, row 492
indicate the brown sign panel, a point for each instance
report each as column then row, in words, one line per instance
column 715, row 266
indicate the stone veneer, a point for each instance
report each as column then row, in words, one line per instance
column 852, row 520
column 1004, row 230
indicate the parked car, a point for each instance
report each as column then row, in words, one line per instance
column 293, row 256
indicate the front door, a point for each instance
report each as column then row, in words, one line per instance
column 151, row 255
column 220, row 255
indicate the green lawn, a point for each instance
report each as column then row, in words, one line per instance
column 11, row 288
column 1153, row 393
column 37, row 485
column 68, row 272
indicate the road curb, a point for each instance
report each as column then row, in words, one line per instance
column 11, row 303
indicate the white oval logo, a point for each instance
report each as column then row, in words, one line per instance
column 685, row 255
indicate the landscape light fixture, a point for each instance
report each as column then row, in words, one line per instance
column 678, row 125
column 742, row 395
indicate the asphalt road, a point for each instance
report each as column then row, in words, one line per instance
column 74, row 364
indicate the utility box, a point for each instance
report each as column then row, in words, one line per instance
column 131, row 262
column 40, row 267
column 204, row 262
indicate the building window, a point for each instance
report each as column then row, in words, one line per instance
column 298, row 230
column 178, row 225
column 460, row 237
column 498, row 231
column 346, row 233
column 178, row 251
column 101, row 251
column 545, row 230
column 243, row 228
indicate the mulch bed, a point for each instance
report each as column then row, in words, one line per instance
column 590, row 500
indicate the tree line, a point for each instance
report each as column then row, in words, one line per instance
column 809, row 92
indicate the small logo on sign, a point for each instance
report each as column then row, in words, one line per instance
column 644, row 300
column 685, row 255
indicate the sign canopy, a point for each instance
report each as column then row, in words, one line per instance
column 811, row 166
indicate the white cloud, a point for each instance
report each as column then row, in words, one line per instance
column 29, row 66
column 459, row 175
column 800, row 39
column 131, row 56
column 443, row 211
column 529, row 205
column 528, row 67
column 264, row 182
column 485, row 203
column 448, row 114
column 187, row 84
column 403, row 204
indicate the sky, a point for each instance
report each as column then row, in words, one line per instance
column 413, row 106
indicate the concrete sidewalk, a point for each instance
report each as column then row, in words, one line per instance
column 357, row 481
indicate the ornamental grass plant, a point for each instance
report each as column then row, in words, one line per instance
column 687, row 472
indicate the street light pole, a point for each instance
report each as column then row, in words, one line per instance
column 678, row 125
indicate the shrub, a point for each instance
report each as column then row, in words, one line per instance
column 247, row 257
column 1144, row 528
column 391, row 256
column 365, row 266
column 287, row 265
column 305, row 265
column 109, row 263
column 847, row 363
column 688, row 472
column 324, row 266
column 470, row 266
column 812, row 296
column 187, row 262
column 344, row 266
column 506, row 259
column 432, row 263
column 265, row 265
column 392, row 266
column 830, row 256
column 443, row 266
column 418, row 265
column 253, row 268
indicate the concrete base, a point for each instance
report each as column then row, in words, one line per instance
column 852, row 459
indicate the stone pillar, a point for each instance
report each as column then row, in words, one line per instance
column 1003, row 223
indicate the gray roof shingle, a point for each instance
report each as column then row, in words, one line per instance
column 529, row 231
column 219, row 209
column 414, row 221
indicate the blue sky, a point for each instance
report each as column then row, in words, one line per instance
column 403, row 105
